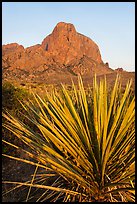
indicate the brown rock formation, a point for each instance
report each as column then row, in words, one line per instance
column 119, row 69
column 11, row 48
column 64, row 51
column 67, row 45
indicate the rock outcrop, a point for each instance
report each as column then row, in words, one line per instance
column 119, row 69
column 66, row 45
column 64, row 51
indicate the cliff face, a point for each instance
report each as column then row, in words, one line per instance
column 64, row 51
column 67, row 45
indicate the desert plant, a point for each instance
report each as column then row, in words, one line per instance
column 11, row 97
column 85, row 144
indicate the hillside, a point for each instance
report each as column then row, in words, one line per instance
column 60, row 57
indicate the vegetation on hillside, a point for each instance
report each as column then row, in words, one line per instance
column 85, row 144
column 11, row 98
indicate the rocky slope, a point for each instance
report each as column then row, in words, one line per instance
column 64, row 52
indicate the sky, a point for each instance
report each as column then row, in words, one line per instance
column 111, row 25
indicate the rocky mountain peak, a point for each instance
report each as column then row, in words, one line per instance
column 63, row 51
column 63, row 27
column 66, row 44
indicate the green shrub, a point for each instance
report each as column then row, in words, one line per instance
column 11, row 97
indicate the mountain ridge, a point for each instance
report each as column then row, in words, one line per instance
column 64, row 52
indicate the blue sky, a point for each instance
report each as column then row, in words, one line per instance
column 109, row 24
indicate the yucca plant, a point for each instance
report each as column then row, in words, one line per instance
column 85, row 144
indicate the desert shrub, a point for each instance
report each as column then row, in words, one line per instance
column 11, row 98
column 86, row 146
